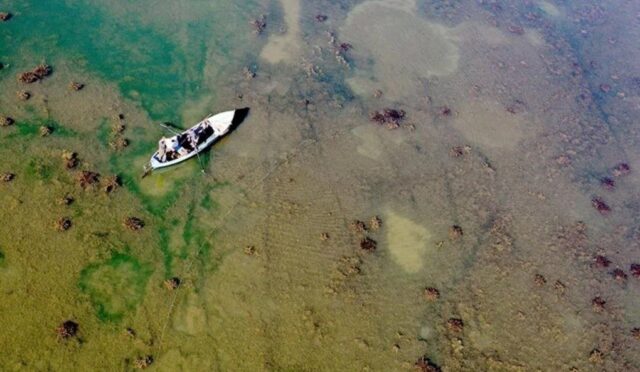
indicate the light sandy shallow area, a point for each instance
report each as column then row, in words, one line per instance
column 285, row 47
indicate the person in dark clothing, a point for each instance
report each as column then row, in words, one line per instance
column 183, row 141
column 205, row 134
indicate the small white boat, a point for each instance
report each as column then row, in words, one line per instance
column 191, row 142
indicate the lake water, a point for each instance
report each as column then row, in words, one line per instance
column 504, row 184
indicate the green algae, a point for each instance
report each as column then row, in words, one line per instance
column 165, row 248
column 208, row 203
column 103, row 133
column 116, row 286
column 172, row 67
column 189, row 229
column 31, row 128
column 40, row 168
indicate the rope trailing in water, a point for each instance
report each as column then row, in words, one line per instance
column 190, row 260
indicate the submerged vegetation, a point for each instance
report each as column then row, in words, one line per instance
column 116, row 286
column 490, row 218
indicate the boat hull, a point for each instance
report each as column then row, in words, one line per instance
column 221, row 124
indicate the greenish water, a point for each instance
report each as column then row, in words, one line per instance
column 519, row 127
column 116, row 286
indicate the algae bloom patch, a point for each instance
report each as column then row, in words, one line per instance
column 115, row 286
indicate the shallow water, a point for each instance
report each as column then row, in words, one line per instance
column 515, row 114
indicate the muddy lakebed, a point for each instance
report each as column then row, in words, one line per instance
column 419, row 185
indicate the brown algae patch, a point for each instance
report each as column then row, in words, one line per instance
column 407, row 241
column 404, row 47
column 285, row 47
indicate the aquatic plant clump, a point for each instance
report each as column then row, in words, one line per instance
column 66, row 200
column 455, row 232
column 87, row 179
column 621, row 169
column 74, row 85
column 45, row 130
column 42, row 70
column 600, row 205
column 424, row 364
column 368, row 244
column 600, row 261
column 459, row 151
column 358, row 226
column 375, row 223
column 71, row 161
column 133, row 223
column 7, row 177
column 118, row 143
column 143, row 362
column 259, row 24
column 6, row 121
column 63, row 224
column 389, row 117
column 38, row 73
column 455, row 325
column 23, row 95
column 608, row 183
column 619, row 275
column 598, row 304
column 67, row 329
column 431, row 294
column 111, row 184
column 172, row 283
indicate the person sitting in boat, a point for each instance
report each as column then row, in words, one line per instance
column 185, row 144
column 173, row 149
column 193, row 138
column 162, row 149
column 171, row 155
column 207, row 131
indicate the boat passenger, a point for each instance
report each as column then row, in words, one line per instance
column 171, row 155
column 162, row 149
column 205, row 134
column 193, row 139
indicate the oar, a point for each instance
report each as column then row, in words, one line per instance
column 169, row 127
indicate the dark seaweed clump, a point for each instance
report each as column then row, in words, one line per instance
column 389, row 117
column 38, row 73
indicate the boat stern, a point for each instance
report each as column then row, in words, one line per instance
column 226, row 121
